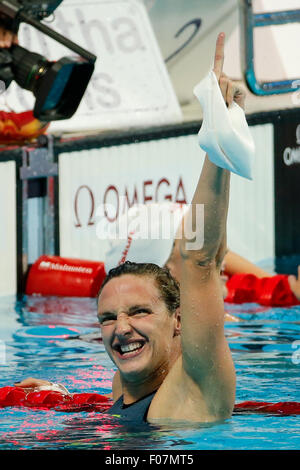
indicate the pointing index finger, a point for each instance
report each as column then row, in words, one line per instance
column 219, row 55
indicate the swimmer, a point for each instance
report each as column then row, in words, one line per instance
column 236, row 264
column 168, row 343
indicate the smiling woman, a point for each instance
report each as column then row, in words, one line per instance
column 153, row 350
column 170, row 368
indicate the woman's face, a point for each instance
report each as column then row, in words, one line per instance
column 137, row 328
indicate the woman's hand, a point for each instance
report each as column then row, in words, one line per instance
column 35, row 385
column 32, row 383
column 230, row 91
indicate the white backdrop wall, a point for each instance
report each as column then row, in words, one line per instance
column 8, row 240
column 155, row 171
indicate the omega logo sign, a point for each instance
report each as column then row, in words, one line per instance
column 141, row 192
column 292, row 155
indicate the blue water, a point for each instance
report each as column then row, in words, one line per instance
column 35, row 342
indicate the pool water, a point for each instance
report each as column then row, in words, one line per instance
column 38, row 339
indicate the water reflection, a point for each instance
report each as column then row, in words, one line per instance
column 94, row 432
column 58, row 339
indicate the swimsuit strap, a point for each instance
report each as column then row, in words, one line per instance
column 136, row 411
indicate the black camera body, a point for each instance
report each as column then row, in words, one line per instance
column 57, row 86
column 39, row 9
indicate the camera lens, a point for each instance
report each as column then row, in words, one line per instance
column 28, row 67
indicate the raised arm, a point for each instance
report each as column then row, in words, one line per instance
column 201, row 384
column 206, row 359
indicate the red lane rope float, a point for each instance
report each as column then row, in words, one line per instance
column 45, row 399
column 68, row 277
column 241, row 288
column 271, row 291
column 276, row 291
column 281, row 408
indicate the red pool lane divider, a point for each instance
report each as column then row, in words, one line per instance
column 241, row 288
column 276, row 291
column 86, row 402
column 12, row 396
column 68, row 277
column 46, row 399
column 271, row 291
column 281, row 408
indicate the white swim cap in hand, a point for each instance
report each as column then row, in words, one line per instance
column 224, row 133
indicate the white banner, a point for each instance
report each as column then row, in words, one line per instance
column 186, row 32
column 130, row 86
column 165, row 170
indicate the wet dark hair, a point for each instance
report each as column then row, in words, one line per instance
column 167, row 285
